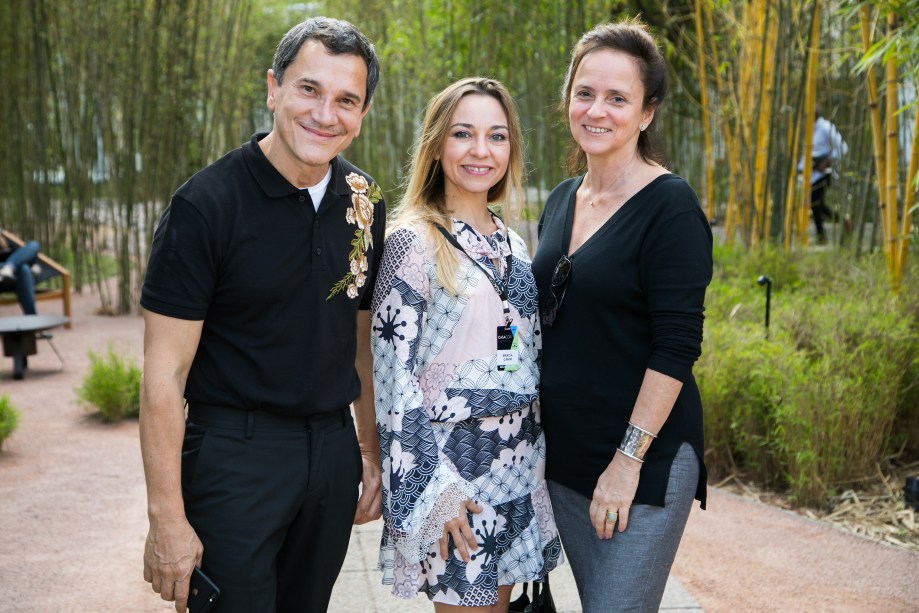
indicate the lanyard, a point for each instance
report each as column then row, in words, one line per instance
column 501, row 289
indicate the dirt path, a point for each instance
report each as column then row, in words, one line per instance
column 72, row 513
column 741, row 555
column 73, row 502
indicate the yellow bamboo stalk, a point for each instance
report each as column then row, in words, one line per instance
column 794, row 130
column 874, row 112
column 771, row 38
column 745, row 72
column 730, row 224
column 790, row 135
column 748, row 94
column 761, row 156
column 810, row 103
column 706, row 122
column 908, row 199
column 730, row 135
column 791, row 187
column 892, row 154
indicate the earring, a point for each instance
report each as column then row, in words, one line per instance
column 641, row 127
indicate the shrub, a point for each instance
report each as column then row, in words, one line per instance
column 859, row 351
column 739, row 267
column 905, row 434
column 9, row 418
column 744, row 381
column 833, row 391
column 112, row 386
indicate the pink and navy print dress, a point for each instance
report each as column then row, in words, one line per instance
column 453, row 425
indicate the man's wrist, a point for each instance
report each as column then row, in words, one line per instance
column 369, row 450
column 164, row 511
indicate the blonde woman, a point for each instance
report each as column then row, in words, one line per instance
column 456, row 347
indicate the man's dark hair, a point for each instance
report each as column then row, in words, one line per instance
column 339, row 37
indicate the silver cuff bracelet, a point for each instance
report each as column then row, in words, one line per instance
column 636, row 442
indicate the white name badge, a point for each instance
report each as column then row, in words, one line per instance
column 507, row 358
column 508, row 351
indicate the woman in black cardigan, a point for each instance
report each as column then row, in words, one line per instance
column 624, row 258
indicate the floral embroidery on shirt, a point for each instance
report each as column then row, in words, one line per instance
column 363, row 198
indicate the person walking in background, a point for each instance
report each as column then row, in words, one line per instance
column 624, row 259
column 456, row 367
column 256, row 310
column 17, row 268
column 827, row 147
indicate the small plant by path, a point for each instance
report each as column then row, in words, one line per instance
column 112, row 386
column 9, row 418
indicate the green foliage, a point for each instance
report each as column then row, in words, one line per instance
column 120, row 111
column 744, row 381
column 112, row 386
column 101, row 135
column 902, row 44
column 9, row 418
column 823, row 401
column 905, row 433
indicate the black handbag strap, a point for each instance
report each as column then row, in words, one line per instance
column 541, row 602
column 542, row 597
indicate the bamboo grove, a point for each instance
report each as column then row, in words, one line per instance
column 762, row 107
column 109, row 106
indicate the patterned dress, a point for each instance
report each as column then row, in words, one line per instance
column 453, row 425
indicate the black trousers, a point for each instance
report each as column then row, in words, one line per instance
column 819, row 209
column 272, row 499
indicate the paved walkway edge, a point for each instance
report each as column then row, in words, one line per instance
column 359, row 588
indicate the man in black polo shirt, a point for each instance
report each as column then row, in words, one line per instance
column 256, row 309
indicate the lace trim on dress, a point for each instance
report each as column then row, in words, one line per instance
column 414, row 546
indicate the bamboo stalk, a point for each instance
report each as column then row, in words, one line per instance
column 791, row 184
column 892, row 154
column 766, row 103
column 909, row 198
column 874, row 112
column 749, row 102
column 729, row 135
column 706, row 122
column 792, row 191
column 810, row 99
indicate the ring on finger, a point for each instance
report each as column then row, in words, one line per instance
column 612, row 516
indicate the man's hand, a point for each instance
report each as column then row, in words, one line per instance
column 170, row 554
column 172, row 547
column 370, row 504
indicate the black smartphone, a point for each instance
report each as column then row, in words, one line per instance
column 202, row 592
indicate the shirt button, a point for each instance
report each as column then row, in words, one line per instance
column 318, row 250
column 302, row 198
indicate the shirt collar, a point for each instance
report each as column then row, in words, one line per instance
column 495, row 245
column 273, row 182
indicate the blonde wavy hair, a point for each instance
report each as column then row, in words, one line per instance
column 423, row 203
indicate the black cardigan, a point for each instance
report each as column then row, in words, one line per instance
column 634, row 301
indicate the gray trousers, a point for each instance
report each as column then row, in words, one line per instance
column 629, row 571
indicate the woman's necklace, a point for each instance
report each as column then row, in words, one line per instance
column 591, row 201
column 619, row 182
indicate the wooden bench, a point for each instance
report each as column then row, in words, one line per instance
column 49, row 270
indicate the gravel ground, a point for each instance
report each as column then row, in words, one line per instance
column 72, row 512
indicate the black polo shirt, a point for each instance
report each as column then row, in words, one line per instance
column 242, row 249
